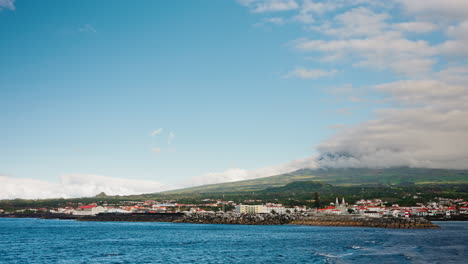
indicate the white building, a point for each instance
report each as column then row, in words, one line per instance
column 250, row 209
column 277, row 209
column 89, row 210
column 262, row 209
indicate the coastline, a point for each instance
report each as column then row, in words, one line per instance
column 248, row 219
column 311, row 220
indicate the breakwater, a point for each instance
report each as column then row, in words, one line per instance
column 238, row 219
column 314, row 220
column 448, row 218
column 42, row 215
column 231, row 218
column 360, row 221
column 134, row 217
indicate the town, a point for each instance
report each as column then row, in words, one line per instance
column 440, row 208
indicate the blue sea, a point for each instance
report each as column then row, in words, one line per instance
column 60, row 241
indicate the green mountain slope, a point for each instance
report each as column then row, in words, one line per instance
column 339, row 177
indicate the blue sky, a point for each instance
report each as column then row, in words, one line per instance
column 237, row 84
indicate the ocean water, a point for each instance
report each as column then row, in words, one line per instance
column 59, row 241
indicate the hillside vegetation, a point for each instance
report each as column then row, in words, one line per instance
column 339, row 177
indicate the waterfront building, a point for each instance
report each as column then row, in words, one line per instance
column 250, row 209
column 263, row 209
column 89, row 210
column 277, row 209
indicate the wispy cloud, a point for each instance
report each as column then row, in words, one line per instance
column 344, row 111
column 237, row 174
column 7, row 4
column 156, row 132
column 263, row 6
column 303, row 73
column 87, row 28
column 271, row 21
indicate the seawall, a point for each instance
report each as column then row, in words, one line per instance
column 238, row 219
column 360, row 221
column 134, row 217
column 316, row 220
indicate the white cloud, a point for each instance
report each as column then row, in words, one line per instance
column 430, row 130
column 357, row 22
column 436, row 10
column 309, row 6
column 454, row 74
column 275, row 20
column 366, row 37
column 74, row 185
column 459, row 31
column 384, row 51
column 87, row 28
column 408, row 137
column 263, row 6
column 457, row 45
column 433, row 93
column 7, row 4
column 323, row 7
column 303, row 73
column 417, row 27
column 156, row 132
column 271, row 20
column 237, row 174
column 368, row 40
column 412, row 66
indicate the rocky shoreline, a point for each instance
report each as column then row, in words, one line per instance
column 310, row 220
column 238, row 219
column 248, row 219
column 356, row 221
column 134, row 217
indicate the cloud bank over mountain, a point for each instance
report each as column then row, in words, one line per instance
column 237, row 174
column 423, row 118
column 427, row 128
